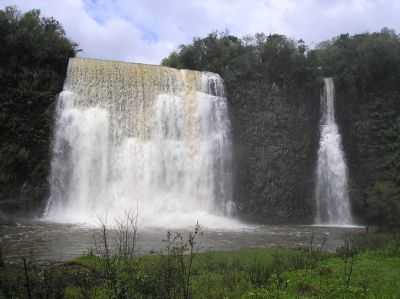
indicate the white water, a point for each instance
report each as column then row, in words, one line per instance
column 141, row 139
column 333, row 206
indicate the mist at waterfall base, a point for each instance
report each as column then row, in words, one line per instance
column 141, row 139
column 331, row 193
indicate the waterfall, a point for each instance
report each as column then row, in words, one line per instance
column 331, row 192
column 142, row 138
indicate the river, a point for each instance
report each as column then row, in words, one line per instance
column 60, row 242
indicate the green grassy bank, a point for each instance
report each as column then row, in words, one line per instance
column 366, row 267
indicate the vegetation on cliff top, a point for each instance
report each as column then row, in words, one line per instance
column 367, row 62
column 271, row 58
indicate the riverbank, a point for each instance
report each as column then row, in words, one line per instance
column 367, row 266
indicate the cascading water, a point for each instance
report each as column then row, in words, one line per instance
column 333, row 206
column 141, row 138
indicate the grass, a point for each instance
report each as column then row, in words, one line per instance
column 359, row 270
column 373, row 276
column 219, row 274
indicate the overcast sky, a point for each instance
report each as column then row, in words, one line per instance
column 148, row 30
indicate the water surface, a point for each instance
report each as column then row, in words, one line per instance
column 51, row 241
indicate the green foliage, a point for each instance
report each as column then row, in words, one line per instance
column 33, row 57
column 354, row 272
column 274, row 59
column 372, row 144
column 366, row 62
column 384, row 204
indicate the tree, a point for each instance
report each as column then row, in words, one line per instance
column 34, row 54
column 368, row 61
column 273, row 58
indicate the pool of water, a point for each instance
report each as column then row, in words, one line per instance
column 51, row 241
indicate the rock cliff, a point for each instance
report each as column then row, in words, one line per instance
column 275, row 135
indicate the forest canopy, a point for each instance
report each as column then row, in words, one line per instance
column 273, row 58
column 367, row 61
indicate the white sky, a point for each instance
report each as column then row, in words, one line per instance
column 148, row 30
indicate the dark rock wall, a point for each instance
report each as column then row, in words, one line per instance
column 26, row 126
column 275, row 135
column 370, row 126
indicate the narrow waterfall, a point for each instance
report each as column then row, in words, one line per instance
column 332, row 198
column 140, row 138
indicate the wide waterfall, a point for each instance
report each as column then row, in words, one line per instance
column 144, row 139
column 331, row 192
